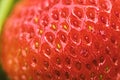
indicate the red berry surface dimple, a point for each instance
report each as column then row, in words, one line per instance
column 75, row 22
column 50, row 37
column 63, row 36
column 91, row 2
column 80, row 2
column 91, row 13
column 62, row 40
column 64, row 12
column 78, row 12
column 55, row 14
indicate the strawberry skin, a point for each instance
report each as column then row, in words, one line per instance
column 62, row 40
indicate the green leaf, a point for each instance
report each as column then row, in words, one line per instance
column 5, row 6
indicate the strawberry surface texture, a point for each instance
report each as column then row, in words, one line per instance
column 62, row 40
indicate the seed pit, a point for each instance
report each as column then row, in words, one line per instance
column 74, row 35
column 103, row 19
column 107, row 50
column 38, row 74
column 46, row 64
column 58, row 61
column 72, row 50
column 45, row 49
column 57, row 73
column 91, row 13
column 117, row 14
column 55, row 1
column 78, row 12
column 108, row 78
column 87, row 39
column 92, row 1
column 84, row 52
column 113, row 39
column 75, row 22
column 67, row 75
column 78, row 1
column 113, row 25
column 66, row 2
column 48, row 51
column 67, row 60
column 64, row 12
column 78, row 65
column 95, row 62
column 34, row 60
column 50, row 37
column 92, row 75
column 102, row 59
column 55, row 15
column 88, row 66
column 97, row 45
column 74, row 78
column 45, row 21
column 104, row 5
column 82, row 76
column 62, row 36
column 114, row 59
column 48, row 76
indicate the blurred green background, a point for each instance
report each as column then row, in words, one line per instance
column 3, row 75
column 6, row 6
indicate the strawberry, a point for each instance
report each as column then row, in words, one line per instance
column 62, row 40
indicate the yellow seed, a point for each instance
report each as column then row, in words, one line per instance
column 92, row 74
column 30, row 78
column 36, row 44
column 101, row 77
column 19, row 51
column 65, row 27
column 58, row 46
column 25, row 63
column 26, row 49
column 90, row 28
column 54, row 27
column 107, row 68
column 41, row 31
column 36, row 19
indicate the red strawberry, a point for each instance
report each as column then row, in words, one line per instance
column 63, row 40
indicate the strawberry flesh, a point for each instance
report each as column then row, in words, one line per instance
column 62, row 40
